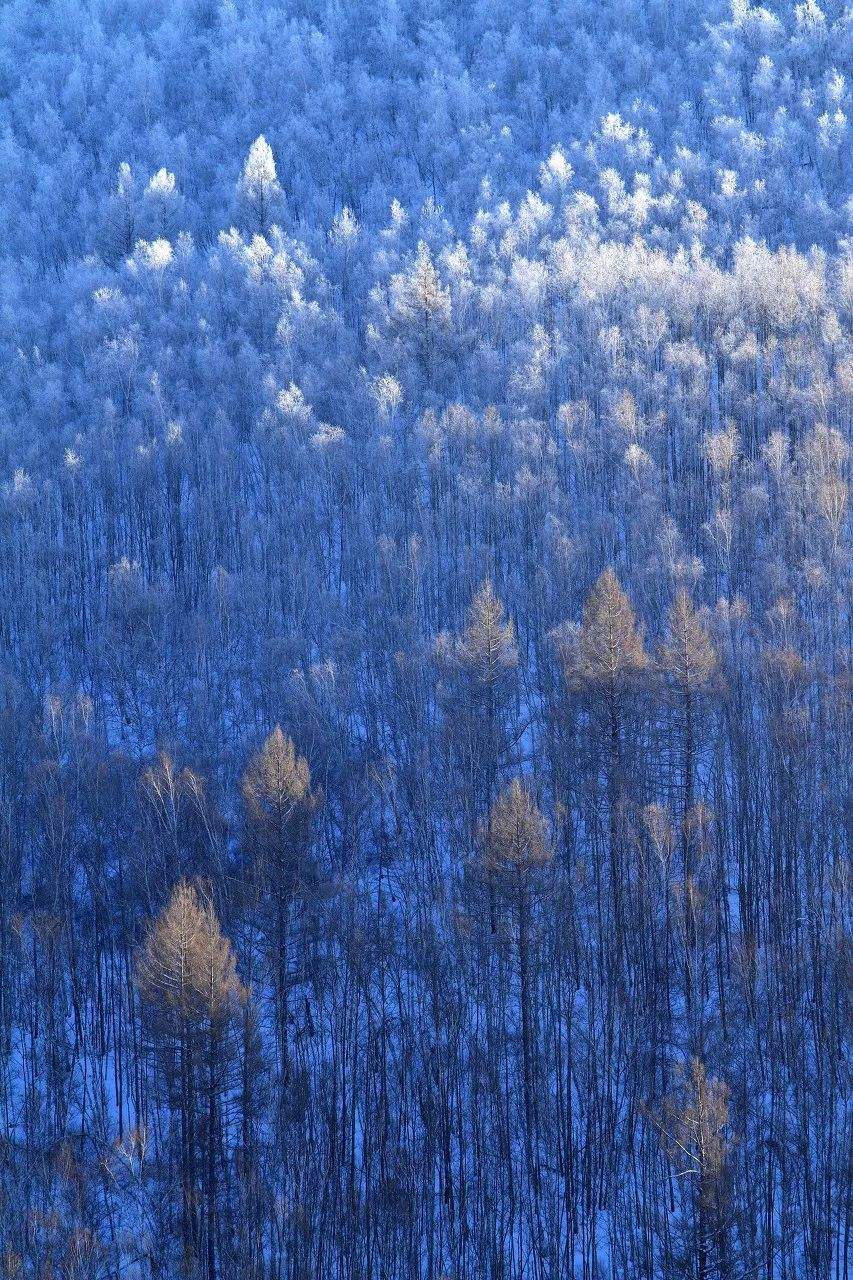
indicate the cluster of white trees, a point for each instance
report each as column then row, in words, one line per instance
column 467, row 391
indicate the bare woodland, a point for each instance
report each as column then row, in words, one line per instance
column 425, row 684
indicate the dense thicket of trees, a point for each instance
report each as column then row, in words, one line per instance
column 424, row 641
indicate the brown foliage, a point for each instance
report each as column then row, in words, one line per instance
column 186, row 966
column 277, row 788
column 516, row 834
column 487, row 646
column 688, row 654
column 694, row 1126
column 610, row 647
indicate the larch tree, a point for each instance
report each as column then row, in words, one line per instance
column 252, row 471
column 608, row 661
column 486, row 657
column 280, row 806
column 694, row 1124
column 480, row 664
column 688, row 660
column 420, row 309
column 187, row 976
column 259, row 185
column 516, row 843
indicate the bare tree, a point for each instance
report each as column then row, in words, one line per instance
column 693, row 1124
column 689, row 660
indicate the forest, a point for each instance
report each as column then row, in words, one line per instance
column 425, row 640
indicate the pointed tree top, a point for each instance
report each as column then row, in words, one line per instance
column 611, row 648
column 277, row 779
column 688, row 654
column 517, row 833
column 259, row 168
column 186, row 965
column 487, row 645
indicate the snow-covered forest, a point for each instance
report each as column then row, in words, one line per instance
column 425, row 639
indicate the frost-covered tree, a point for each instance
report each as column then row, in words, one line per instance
column 258, row 185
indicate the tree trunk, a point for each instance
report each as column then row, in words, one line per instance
column 210, row 1173
column 689, row 915
column 614, row 797
column 526, row 1047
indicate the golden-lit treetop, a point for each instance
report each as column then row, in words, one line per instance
column 487, row 645
column 186, row 966
column 694, row 1125
column 277, row 782
column 517, row 833
column 688, row 653
column 611, row 648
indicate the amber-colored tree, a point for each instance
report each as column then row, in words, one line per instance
column 280, row 807
column 486, row 655
column 479, row 666
column 609, row 660
column 612, row 652
column 689, row 660
column 693, row 1125
column 187, row 975
column 516, row 843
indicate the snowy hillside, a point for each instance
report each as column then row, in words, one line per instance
column 425, row 650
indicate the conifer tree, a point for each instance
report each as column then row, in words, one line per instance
column 481, row 662
column 280, row 807
column 259, row 184
column 693, row 1124
column 187, row 975
column 689, row 660
column 516, row 843
column 609, row 660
